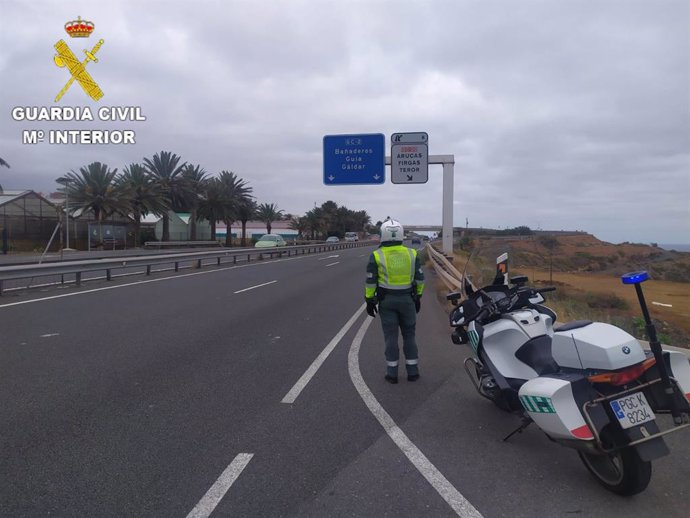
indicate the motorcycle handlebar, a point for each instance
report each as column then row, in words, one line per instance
column 484, row 312
column 544, row 290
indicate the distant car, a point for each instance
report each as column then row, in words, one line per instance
column 270, row 240
column 333, row 239
column 351, row 236
column 416, row 241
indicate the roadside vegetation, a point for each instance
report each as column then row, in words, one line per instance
column 586, row 273
column 164, row 182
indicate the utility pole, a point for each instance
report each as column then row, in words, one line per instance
column 67, row 217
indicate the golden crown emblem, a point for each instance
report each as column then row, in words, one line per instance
column 79, row 28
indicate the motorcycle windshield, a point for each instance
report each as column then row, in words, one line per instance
column 484, row 265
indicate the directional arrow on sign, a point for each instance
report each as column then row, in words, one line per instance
column 409, row 178
column 331, row 178
column 376, row 177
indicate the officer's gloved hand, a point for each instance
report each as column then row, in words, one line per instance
column 417, row 302
column 371, row 306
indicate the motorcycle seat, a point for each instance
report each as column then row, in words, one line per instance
column 577, row 324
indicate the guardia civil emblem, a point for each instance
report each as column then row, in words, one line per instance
column 65, row 58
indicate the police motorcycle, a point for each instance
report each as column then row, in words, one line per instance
column 587, row 385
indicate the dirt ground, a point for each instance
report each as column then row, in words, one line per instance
column 588, row 272
column 675, row 296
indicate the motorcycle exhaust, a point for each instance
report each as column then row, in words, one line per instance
column 474, row 376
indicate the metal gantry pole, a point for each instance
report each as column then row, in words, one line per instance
column 448, row 163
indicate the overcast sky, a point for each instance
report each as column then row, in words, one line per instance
column 568, row 115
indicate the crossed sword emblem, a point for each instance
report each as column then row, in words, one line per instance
column 65, row 58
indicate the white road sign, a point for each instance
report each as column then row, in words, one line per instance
column 409, row 163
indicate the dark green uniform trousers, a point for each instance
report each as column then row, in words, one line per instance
column 397, row 311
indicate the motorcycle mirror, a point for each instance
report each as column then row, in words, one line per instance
column 519, row 280
column 454, row 297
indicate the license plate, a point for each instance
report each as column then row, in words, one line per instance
column 632, row 410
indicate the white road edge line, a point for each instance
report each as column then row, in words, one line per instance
column 333, row 264
column 448, row 492
column 295, row 391
column 217, row 491
column 254, row 287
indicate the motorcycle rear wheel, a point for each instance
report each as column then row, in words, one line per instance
column 622, row 472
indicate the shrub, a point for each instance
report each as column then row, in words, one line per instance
column 605, row 301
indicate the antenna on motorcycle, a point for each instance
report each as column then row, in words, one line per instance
column 467, row 285
column 637, row 278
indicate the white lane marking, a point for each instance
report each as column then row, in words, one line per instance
column 254, row 287
column 295, row 391
column 172, row 277
column 48, row 335
column 329, row 257
column 217, row 491
column 662, row 304
column 332, row 264
column 452, row 496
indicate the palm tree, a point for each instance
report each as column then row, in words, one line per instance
column 268, row 213
column 194, row 176
column 314, row 221
column 212, row 203
column 166, row 171
column 300, row 224
column 246, row 210
column 237, row 192
column 94, row 188
column 145, row 196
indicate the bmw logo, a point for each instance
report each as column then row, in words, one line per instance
column 626, row 349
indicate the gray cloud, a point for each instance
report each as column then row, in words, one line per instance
column 569, row 115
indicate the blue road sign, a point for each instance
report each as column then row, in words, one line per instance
column 354, row 159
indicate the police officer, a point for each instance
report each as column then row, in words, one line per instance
column 395, row 282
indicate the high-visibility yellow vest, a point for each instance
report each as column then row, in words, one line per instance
column 395, row 267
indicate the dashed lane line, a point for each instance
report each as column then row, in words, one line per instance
column 295, row 391
column 217, row 491
column 254, row 287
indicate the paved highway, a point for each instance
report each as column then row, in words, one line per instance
column 257, row 390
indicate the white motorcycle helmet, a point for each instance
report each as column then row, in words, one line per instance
column 392, row 230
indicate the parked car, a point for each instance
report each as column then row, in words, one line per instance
column 270, row 240
column 333, row 239
column 416, row 241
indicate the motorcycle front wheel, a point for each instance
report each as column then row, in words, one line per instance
column 622, row 472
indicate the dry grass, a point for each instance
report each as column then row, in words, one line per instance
column 596, row 295
column 673, row 323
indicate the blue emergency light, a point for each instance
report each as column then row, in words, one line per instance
column 634, row 277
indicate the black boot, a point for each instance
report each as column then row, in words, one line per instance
column 392, row 375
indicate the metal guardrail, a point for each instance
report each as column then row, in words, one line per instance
column 180, row 244
column 198, row 259
column 450, row 276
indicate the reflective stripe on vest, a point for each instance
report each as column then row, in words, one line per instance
column 396, row 267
